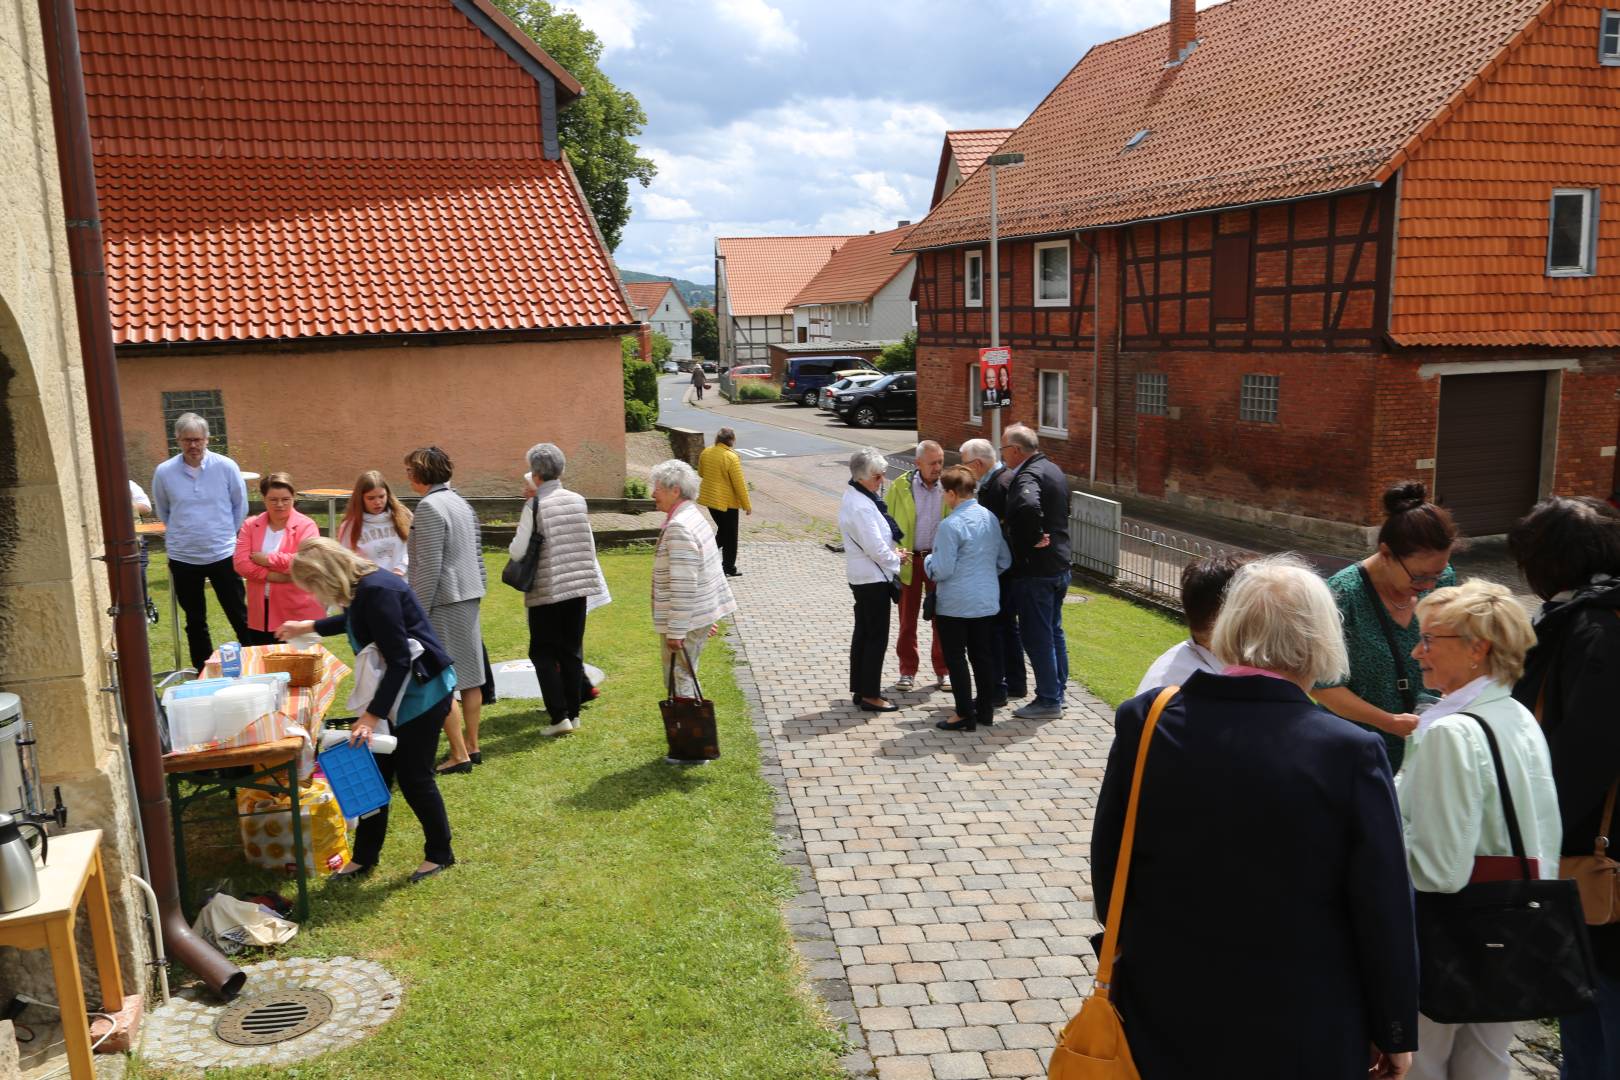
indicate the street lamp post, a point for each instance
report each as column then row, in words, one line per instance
column 995, row 162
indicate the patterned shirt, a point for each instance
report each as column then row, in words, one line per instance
column 930, row 508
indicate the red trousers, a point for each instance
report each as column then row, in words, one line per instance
column 905, row 646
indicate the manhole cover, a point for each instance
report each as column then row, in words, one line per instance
column 273, row 1018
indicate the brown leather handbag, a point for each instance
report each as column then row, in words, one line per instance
column 1596, row 875
column 1093, row 1046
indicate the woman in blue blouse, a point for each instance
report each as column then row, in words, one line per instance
column 966, row 564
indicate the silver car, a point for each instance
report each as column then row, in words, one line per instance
column 825, row 399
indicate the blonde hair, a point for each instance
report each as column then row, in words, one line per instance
column 1280, row 616
column 1483, row 611
column 328, row 571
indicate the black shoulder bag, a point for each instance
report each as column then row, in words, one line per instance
column 1402, row 682
column 519, row 573
column 1499, row 951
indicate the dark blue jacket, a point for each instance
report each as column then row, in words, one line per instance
column 385, row 611
column 1037, row 503
column 1268, row 923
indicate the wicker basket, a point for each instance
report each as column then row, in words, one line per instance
column 304, row 669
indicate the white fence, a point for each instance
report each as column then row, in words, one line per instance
column 1131, row 555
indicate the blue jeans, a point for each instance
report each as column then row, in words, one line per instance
column 1039, row 601
column 1591, row 1040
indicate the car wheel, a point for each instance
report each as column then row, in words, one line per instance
column 809, row 399
column 865, row 416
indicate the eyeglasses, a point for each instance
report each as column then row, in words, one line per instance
column 1418, row 579
column 1428, row 640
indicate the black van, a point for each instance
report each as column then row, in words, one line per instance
column 804, row 376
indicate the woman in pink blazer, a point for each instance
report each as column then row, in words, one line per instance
column 264, row 551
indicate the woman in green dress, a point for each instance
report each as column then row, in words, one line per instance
column 1377, row 597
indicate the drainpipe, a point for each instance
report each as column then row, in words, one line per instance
column 60, row 25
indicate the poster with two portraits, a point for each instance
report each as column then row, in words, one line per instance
column 995, row 377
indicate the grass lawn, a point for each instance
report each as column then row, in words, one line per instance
column 1112, row 641
column 609, row 916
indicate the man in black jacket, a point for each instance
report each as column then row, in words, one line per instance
column 1037, row 526
column 994, row 480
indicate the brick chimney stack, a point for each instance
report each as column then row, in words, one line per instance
column 1183, row 27
column 644, row 341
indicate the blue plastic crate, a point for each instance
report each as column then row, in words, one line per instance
column 356, row 781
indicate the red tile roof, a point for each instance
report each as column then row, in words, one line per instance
column 647, row 294
column 305, row 169
column 968, row 149
column 765, row 273
column 856, row 271
column 1282, row 99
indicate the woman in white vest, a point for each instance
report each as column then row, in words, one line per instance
column 689, row 594
column 566, row 577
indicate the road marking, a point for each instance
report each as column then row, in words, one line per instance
column 759, row 452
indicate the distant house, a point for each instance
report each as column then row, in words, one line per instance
column 961, row 156
column 660, row 303
column 1265, row 259
column 862, row 294
column 755, row 281
column 340, row 238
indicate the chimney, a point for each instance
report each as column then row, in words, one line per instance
column 903, row 223
column 1183, row 28
column 644, row 341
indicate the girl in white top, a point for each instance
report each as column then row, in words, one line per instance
column 375, row 524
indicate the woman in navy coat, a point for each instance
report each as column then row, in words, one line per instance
column 1268, row 927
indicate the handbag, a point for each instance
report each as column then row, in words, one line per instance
column 1501, row 951
column 1596, row 876
column 689, row 726
column 1093, row 1044
column 519, row 573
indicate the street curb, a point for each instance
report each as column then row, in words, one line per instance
column 806, row 915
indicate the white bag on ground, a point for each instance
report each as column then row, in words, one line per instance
column 232, row 925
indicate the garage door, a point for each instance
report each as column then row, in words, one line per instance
column 1488, row 467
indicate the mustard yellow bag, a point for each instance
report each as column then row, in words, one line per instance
column 267, row 838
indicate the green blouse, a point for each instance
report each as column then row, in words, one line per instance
column 1372, row 669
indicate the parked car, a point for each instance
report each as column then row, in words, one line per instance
column 804, row 376
column 730, row 377
column 825, row 395
column 893, row 397
column 708, row 366
column 670, row 367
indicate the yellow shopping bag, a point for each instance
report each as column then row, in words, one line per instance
column 267, row 839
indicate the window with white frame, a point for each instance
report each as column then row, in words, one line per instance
column 974, row 396
column 1152, row 393
column 1052, row 410
column 1572, row 233
column 1052, row 274
column 1609, row 39
column 1258, row 400
column 973, row 279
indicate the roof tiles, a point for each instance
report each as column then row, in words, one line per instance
column 647, row 294
column 304, row 169
column 970, row 148
column 764, row 273
column 856, row 271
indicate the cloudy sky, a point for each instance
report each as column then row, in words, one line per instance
column 821, row 116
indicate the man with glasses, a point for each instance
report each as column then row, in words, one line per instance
column 1037, row 525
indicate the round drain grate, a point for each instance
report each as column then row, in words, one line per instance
column 273, row 1018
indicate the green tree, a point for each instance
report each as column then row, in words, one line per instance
column 597, row 130
column 630, row 348
column 900, row 356
column 705, row 335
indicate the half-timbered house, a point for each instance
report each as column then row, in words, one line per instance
column 755, row 281
column 1266, row 259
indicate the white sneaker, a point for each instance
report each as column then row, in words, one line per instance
column 945, row 683
column 573, row 725
column 905, row 682
column 561, row 727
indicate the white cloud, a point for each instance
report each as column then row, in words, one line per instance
column 613, row 21
column 757, row 21
column 658, row 207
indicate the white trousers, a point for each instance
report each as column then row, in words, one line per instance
column 685, row 686
column 1462, row 1051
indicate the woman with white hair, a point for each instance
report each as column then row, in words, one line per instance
column 565, row 578
column 1268, row 880
column 1472, row 649
column 872, row 558
column 689, row 590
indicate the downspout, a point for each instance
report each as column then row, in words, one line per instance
column 134, row 663
column 1096, row 344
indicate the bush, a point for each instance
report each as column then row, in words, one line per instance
column 635, row 487
column 755, row 390
column 640, row 395
column 900, row 356
column 638, row 415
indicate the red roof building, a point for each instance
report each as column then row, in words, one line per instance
column 755, row 281
column 369, row 198
column 1303, row 249
column 862, row 294
column 661, row 305
column 961, row 156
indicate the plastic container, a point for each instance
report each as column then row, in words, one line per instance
column 191, row 721
column 355, row 779
column 235, row 707
column 380, row 744
column 230, row 660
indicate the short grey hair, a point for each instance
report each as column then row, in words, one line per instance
column 1023, row 436
column 978, row 450
column 1280, row 616
column 725, row 435
column 675, row 475
column 189, row 422
column 546, row 461
column 928, row 445
column 867, row 461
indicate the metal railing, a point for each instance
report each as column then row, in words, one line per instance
column 1141, row 558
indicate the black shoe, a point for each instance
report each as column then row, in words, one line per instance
column 476, row 757
column 987, row 721
column 423, row 875
column 996, row 704
column 443, row 769
column 957, row 725
column 361, row 872
column 867, row 706
column 733, row 573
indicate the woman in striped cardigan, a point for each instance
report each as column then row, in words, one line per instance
column 689, row 594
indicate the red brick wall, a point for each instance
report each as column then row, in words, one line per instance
column 1589, row 414
column 1406, row 421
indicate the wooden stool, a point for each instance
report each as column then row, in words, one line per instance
column 74, row 871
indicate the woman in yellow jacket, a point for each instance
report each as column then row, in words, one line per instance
column 724, row 492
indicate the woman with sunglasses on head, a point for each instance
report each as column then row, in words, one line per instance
column 1377, row 598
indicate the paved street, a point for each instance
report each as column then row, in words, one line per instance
column 952, row 867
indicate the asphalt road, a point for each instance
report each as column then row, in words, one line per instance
column 755, row 441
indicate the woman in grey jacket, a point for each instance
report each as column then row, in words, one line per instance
column 565, row 579
column 446, row 571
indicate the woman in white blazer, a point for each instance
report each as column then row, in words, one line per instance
column 872, row 557
column 689, row 590
column 1472, row 650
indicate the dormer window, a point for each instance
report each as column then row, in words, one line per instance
column 1138, row 139
column 1609, row 39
